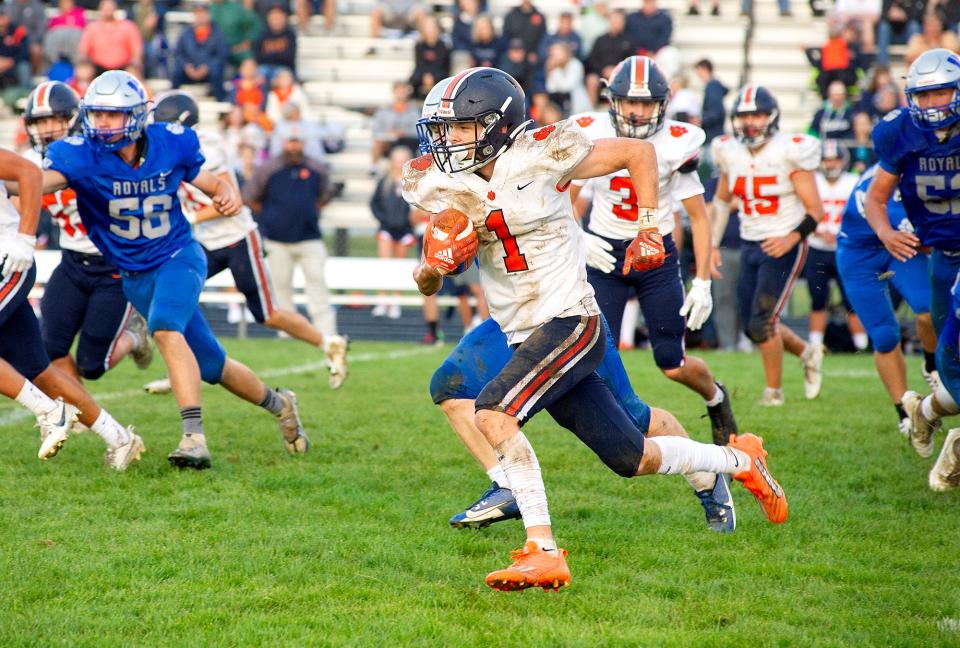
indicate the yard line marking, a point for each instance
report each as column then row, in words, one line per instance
column 18, row 414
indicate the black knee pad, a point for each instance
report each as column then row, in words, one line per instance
column 758, row 330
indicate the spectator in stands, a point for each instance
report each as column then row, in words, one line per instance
column 486, row 48
column 528, row 24
column 878, row 78
column 201, row 54
column 62, row 37
column 566, row 34
column 838, row 58
column 515, row 62
column 111, row 44
column 461, row 36
column 607, row 51
column 285, row 91
column 250, row 94
column 684, row 103
column 15, row 76
column 239, row 25
column 862, row 156
column 543, row 111
column 306, row 8
column 277, row 45
column 650, row 28
column 395, row 234
column 865, row 14
column 400, row 15
column 713, row 114
column 834, row 120
column 83, row 74
column 68, row 15
column 594, row 22
column 287, row 193
column 31, row 15
column 147, row 19
column 933, row 35
column 396, row 125
column 564, row 80
column 432, row 57
column 899, row 22
column 694, row 8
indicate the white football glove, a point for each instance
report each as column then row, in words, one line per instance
column 598, row 253
column 698, row 304
column 16, row 253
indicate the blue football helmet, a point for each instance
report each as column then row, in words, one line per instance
column 114, row 91
column 636, row 78
column 755, row 99
column 933, row 70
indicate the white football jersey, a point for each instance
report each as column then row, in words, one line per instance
column 769, row 206
column 62, row 206
column 614, row 214
column 531, row 251
column 218, row 232
column 833, row 196
column 9, row 216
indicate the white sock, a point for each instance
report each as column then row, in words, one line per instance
column 860, row 341
column 496, row 474
column 717, row 397
column 926, row 408
column 945, row 401
column 520, row 464
column 681, row 456
column 701, row 481
column 34, row 399
column 107, row 428
column 544, row 544
column 816, row 337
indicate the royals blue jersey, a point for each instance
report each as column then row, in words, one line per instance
column 854, row 228
column 929, row 177
column 132, row 214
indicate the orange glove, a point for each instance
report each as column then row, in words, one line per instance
column 446, row 255
column 644, row 252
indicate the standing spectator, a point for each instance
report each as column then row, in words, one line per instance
column 834, row 120
column 432, row 57
column 399, row 15
column 899, row 22
column 31, row 15
column 714, row 115
column 277, row 45
column 14, row 59
column 147, row 19
column 396, row 124
column 650, row 28
column 528, row 24
column 201, row 54
column 566, row 34
column 240, row 26
column 285, row 91
column 934, row 34
column 64, row 30
column 395, row 235
column 608, row 50
column 564, row 80
column 287, row 193
column 487, row 47
column 111, row 44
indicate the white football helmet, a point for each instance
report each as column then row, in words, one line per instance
column 427, row 132
column 114, row 91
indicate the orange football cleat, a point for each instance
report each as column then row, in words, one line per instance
column 758, row 480
column 532, row 567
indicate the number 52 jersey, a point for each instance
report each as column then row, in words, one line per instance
column 531, row 252
column 132, row 214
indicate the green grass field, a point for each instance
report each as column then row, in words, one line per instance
column 349, row 545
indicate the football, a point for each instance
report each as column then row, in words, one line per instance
column 447, row 220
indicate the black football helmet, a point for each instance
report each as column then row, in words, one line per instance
column 755, row 99
column 833, row 150
column 51, row 99
column 177, row 107
column 636, row 78
column 489, row 99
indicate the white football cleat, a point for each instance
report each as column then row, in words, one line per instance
column 771, row 397
column 120, row 457
column 336, row 352
column 142, row 353
column 904, row 427
column 55, row 427
column 921, row 430
column 812, row 359
column 945, row 474
column 161, row 386
column 295, row 438
column 931, row 377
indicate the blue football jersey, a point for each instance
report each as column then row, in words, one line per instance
column 929, row 177
column 855, row 229
column 132, row 214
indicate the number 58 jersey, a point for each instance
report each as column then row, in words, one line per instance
column 531, row 252
column 761, row 180
column 132, row 214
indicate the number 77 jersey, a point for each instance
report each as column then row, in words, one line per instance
column 132, row 214
column 761, row 181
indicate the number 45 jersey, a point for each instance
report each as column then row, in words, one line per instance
column 132, row 214
column 929, row 173
column 532, row 257
column 761, row 180
column 615, row 209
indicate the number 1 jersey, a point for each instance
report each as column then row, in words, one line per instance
column 132, row 214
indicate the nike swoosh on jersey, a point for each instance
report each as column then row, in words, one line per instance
column 522, row 187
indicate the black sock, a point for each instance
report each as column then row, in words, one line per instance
column 272, row 402
column 192, row 422
column 929, row 361
column 432, row 328
column 900, row 411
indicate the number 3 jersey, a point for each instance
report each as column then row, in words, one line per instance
column 929, row 173
column 531, row 252
column 761, row 180
column 615, row 209
column 132, row 214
